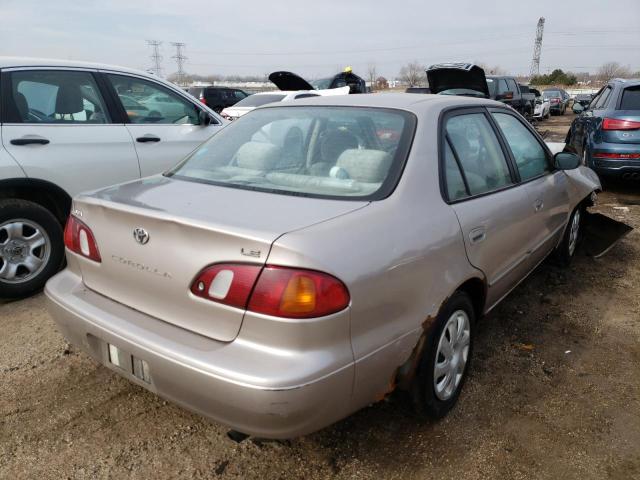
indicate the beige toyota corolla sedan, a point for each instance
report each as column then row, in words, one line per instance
column 312, row 257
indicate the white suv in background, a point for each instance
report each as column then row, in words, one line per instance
column 69, row 127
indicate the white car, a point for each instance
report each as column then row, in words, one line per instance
column 263, row 98
column 69, row 127
column 542, row 108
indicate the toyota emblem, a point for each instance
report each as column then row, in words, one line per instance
column 141, row 235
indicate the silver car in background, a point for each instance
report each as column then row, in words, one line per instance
column 310, row 258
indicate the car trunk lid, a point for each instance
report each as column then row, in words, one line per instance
column 618, row 132
column 289, row 81
column 189, row 226
column 448, row 76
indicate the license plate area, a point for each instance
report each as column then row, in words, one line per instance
column 129, row 363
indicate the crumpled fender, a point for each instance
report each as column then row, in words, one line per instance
column 583, row 181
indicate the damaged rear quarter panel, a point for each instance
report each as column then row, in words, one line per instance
column 400, row 258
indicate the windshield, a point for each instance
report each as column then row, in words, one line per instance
column 551, row 94
column 322, row 84
column 259, row 100
column 491, row 84
column 334, row 152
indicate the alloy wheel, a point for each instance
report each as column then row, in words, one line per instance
column 25, row 249
column 452, row 355
column 574, row 232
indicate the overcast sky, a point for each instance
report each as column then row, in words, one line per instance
column 320, row 37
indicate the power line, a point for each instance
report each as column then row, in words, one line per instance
column 156, row 58
column 180, row 58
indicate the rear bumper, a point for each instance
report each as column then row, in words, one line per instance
column 619, row 167
column 261, row 391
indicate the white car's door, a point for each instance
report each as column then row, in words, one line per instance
column 57, row 127
column 165, row 125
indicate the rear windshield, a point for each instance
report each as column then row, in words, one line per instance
column 328, row 152
column 259, row 100
column 630, row 99
column 551, row 94
column 491, row 85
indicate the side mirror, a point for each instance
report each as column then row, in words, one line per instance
column 566, row 160
column 205, row 118
column 577, row 108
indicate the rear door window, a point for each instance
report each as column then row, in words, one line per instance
column 49, row 96
column 630, row 99
column 529, row 155
column 602, row 101
column 476, row 148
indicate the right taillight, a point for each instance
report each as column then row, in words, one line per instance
column 79, row 238
column 618, row 124
column 203, row 100
column 272, row 290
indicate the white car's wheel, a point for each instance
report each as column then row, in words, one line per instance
column 31, row 247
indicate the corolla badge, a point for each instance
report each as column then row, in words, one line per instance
column 141, row 235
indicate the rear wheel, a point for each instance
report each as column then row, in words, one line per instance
column 445, row 361
column 31, row 247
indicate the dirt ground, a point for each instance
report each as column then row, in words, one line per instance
column 554, row 392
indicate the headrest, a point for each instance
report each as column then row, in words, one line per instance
column 258, row 156
column 69, row 99
column 369, row 166
column 334, row 142
column 21, row 105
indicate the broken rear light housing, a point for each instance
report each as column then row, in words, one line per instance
column 79, row 238
column 272, row 290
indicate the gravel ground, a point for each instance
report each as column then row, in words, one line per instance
column 554, row 392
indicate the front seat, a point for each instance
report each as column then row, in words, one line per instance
column 68, row 101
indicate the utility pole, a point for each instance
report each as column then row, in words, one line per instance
column 180, row 59
column 156, row 58
column 537, row 49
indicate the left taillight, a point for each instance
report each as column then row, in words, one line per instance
column 619, row 124
column 79, row 238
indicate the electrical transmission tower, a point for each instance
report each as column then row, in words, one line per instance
column 180, row 59
column 156, row 58
column 537, row 49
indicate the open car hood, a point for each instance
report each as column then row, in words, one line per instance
column 447, row 76
column 289, row 81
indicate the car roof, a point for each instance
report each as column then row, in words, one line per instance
column 627, row 82
column 412, row 102
column 13, row 62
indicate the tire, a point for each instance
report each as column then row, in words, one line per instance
column 585, row 160
column 428, row 399
column 548, row 115
column 31, row 247
column 572, row 237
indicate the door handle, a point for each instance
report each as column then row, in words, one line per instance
column 477, row 235
column 538, row 204
column 30, row 140
column 148, row 138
